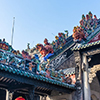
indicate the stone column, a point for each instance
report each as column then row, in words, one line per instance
column 48, row 97
column 41, row 97
column 86, row 86
column 78, row 75
column 44, row 98
column 9, row 95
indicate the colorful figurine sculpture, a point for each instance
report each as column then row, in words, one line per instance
column 26, row 55
column 82, row 24
column 73, row 78
column 61, row 74
column 46, row 42
column 90, row 15
column 84, row 20
column 57, row 42
column 91, row 21
column 56, row 76
column 12, row 60
column 79, row 34
column 46, row 51
column 42, row 71
column 68, row 80
column 82, row 35
column 54, row 45
column 28, row 46
column 14, row 52
column 3, row 58
column 10, row 48
column 62, row 78
column 22, row 65
column 52, row 74
column 83, row 17
column 32, row 67
column 18, row 53
column 48, row 73
column 49, row 49
column 66, row 35
column 95, row 21
column 18, row 64
column 3, row 46
column 63, row 38
column 60, row 40
column 87, row 22
column 48, row 46
column 76, row 36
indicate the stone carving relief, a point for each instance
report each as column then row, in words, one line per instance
column 92, row 72
column 57, row 61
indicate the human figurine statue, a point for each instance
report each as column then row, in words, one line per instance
column 28, row 46
column 32, row 67
column 95, row 21
column 46, row 42
column 66, row 35
column 78, row 34
column 45, row 51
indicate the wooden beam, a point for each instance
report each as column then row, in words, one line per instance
column 34, row 82
column 19, row 87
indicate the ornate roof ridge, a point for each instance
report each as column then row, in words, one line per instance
column 86, row 44
column 34, row 76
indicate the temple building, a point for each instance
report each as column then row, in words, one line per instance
column 66, row 69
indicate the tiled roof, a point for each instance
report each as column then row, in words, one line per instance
column 85, row 45
column 69, row 71
column 69, row 44
column 34, row 76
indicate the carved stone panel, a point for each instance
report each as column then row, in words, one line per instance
column 78, row 65
column 92, row 72
column 58, row 60
column 78, row 73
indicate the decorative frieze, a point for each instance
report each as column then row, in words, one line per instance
column 58, row 60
